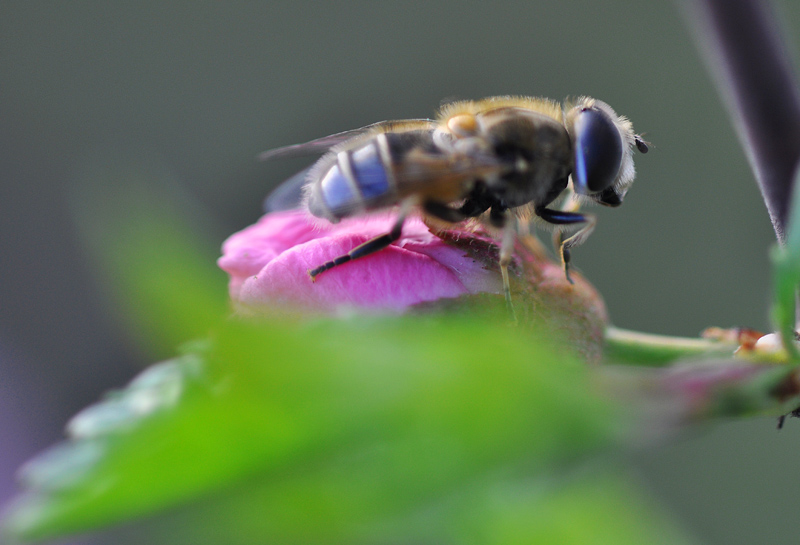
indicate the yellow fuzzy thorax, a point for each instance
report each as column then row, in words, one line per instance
column 543, row 106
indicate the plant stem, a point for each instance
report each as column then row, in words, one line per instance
column 645, row 349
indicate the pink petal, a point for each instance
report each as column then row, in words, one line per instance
column 269, row 262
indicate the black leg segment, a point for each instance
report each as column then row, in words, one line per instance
column 561, row 217
column 369, row 247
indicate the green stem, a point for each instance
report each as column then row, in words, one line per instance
column 633, row 348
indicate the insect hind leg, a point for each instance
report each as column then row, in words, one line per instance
column 371, row 246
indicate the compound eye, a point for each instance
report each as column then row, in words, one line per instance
column 598, row 151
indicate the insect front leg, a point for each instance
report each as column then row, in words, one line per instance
column 559, row 217
column 371, row 246
column 569, row 204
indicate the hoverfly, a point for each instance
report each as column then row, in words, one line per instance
column 502, row 157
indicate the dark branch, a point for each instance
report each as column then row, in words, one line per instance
column 745, row 51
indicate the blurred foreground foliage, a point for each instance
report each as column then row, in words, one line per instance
column 431, row 428
column 363, row 430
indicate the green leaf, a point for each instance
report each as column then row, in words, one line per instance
column 344, row 424
column 585, row 509
column 786, row 277
column 455, row 427
column 588, row 506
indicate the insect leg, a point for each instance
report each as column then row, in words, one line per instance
column 570, row 204
column 558, row 217
column 371, row 246
column 506, row 253
column 502, row 218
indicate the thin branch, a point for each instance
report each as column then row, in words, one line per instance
column 746, row 52
column 645, row 349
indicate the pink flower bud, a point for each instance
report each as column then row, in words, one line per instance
column 268, row 263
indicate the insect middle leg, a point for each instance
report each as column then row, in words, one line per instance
column 559, row 217
column 369, row 247
column 500, row 217
column 506, row 253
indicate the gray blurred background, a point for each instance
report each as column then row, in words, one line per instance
column 190, row 92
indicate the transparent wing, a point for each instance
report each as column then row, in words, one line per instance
column 321, row 145
column 288, row 195
column 430, row 172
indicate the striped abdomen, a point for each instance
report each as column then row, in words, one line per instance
column 365, row 176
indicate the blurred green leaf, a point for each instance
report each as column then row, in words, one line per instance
column 786, row 277
column 580, row 509
column 437, row 427
column 587, row 506
column 345, row 423
column 152, row 248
